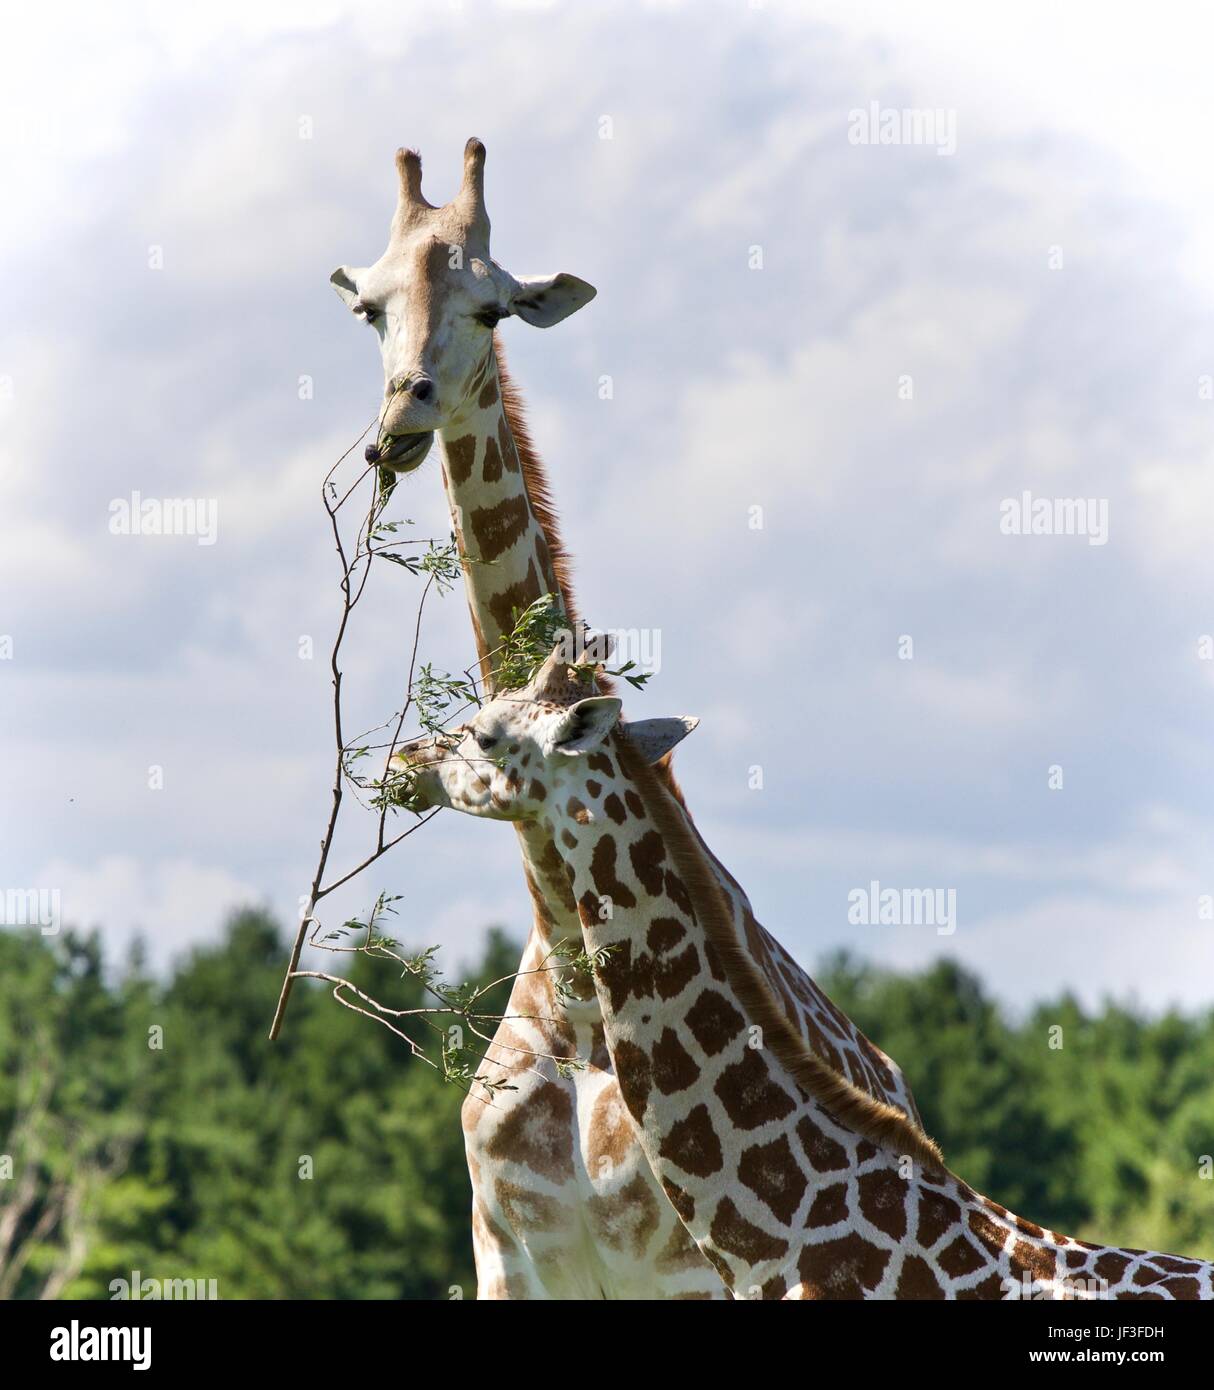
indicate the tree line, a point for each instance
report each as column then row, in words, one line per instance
column 147, row 1127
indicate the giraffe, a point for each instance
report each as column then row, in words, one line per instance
column 565, row 1202
column 794, row 1182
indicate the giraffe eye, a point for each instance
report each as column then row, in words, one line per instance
column 490, row 317
column 367, row 311
column 485, row 741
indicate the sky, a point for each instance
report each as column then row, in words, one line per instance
column 874, row 349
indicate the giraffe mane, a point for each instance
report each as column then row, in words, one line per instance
column 535, row 479
column 539, row 493
column 876, row 1120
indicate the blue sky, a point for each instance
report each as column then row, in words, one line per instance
column 1046, row 288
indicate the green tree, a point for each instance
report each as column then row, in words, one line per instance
column 150, row 1126
column 1095, row 1126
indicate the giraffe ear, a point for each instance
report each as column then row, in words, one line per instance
column 654, row 738
column 343, row 281
column 543, row 300
column 582, row 727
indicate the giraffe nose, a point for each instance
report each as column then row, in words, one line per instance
column 417, row 752
column 421, row 388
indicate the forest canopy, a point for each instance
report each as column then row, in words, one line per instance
column 147, row 1125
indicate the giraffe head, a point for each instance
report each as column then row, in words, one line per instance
column 521, row 748
column 433, row 299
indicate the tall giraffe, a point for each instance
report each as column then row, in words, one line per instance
column 565, row 1202
column 792, row 1180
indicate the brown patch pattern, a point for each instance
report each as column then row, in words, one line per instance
column 773, row 1175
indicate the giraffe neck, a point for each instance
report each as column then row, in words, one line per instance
column 511, row 554
column 727, row 1097
column 505, row 529
column 791, row 1184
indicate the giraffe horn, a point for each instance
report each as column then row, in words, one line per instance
column 555, row 681
column 410, row 205
column 471, row 198
column 553, row 675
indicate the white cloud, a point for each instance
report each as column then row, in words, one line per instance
column 1154, row 957
column 1161, row 855
column 733, row 388
column 173, row 904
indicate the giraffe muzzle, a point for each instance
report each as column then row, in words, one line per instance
column 419, row 788
column 400, row 452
